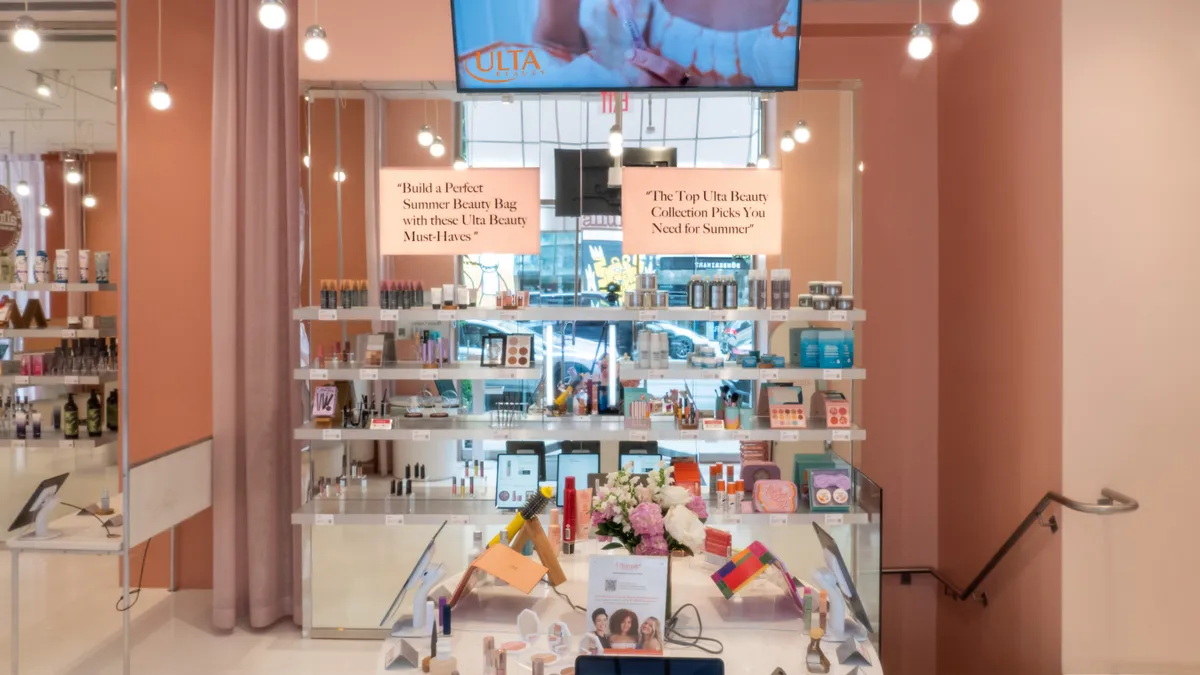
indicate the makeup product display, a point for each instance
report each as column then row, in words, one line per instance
column 344, row 293
column 833, row 408
column 41, row 268
column 781, row 288
column 826, row 348
column 829, row 489
column 401, row 294
column 70, row 418
column 786, row 408
column 21, row 267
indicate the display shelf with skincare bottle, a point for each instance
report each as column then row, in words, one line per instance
column 557, row 313
column 629, row 371
column 48, row 380
column 51, row 438
column 68, row 287
column 415, row 371
column 58, row 332
column 594, row 428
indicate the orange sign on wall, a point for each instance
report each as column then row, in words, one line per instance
column 701, row 211
column 443, row 211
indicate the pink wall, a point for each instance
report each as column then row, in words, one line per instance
column 382, row 41
column 900, row 341
column 1130, row 171
column 1000, row 397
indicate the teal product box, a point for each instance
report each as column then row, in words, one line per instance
column 830, row 344
column 802, row 464
column 830, row 490
column 847, row 349
column 810, row 349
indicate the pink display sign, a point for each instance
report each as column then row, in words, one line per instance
column 701, row 211
column 443, row 211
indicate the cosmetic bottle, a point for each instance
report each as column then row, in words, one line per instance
column 420, row 295
column 569, row 514
column 731, row 293
column 489, row 655
column 435, row 296
column 449, row 295
column 94, row 426
column 57, row 418
column 71, row 418
column 763, row 296
column 696, row 292
column 721, row 492
column 19, row 419
column 716, row 294
column 555, row 532
column 501, row 662
column 36, row 423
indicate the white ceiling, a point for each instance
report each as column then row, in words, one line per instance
column 77, row 59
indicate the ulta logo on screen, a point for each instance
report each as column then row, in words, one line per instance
column 497, row 65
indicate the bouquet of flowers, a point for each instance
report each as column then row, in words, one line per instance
column 653, row 520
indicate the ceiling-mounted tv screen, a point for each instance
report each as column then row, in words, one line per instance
column 626, row 45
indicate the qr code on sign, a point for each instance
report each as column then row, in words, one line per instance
column 610, row 585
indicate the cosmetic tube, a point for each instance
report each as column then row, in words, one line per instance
column 583, row 513
column 489, row 655
column 62, row 265
column 569, row 515
column 85, row 265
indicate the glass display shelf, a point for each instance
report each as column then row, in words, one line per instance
column 415, row 371
column 678, row 371
column 45, row 380
column 68, row 287
column 55, row 439
column 578, row 314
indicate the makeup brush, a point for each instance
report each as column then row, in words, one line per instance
column 536, row 503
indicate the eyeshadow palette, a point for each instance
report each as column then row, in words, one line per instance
column 518, row 351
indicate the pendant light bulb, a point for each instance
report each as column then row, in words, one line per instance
column 965, row 12
column 42, row 88
column 23, row 189
column 89, row 201
column 802, row 133
column 160, row 98
column 786, row 142
column 272, row 14
column 616, row 150
column 615, row 137
column 460, row 164
column 44, row 209
column 339, row 176
column 438, row 148
column 920, row 45
column 25, row 35
column 316, row 48
column 764, row 162
column 307, row 161
column 74, row 177
column 425, row 136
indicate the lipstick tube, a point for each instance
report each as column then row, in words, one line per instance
column 569, row 517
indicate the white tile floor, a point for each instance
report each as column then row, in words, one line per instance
column 69, row 627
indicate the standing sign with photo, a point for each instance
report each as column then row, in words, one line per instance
column 627, row 603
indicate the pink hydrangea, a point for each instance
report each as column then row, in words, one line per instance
column 647, row 520
column 697, row 506
column 652, row 545
column 599, row 516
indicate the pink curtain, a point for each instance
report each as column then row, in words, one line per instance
column 255, row 285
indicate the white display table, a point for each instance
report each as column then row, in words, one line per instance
column 761, row 629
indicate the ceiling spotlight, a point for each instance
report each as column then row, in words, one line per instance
column 615, row 137
column 307, row 161
column 339, row 176
column 460, row 164
column 23, row 189
column 764, row 162
column 44, row 209
column 74, row 176
column 786, row 142
column 25, row 36
column 965, row 12
column 316, row 48
column 42, row 88
column 272, row 14
column 425, row 136
column 160, row 98
column 802, row 133
column 437, row 149
column 89, row 201
column 920, row 46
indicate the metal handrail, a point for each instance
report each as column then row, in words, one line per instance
column 1110, row 503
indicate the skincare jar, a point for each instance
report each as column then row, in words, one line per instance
column 816, row 288
column 804, row 300
column 833, row 288
column 843, row 302
column 822, row 302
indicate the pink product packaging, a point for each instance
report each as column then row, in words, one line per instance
column 36, row 364
column 583, row 511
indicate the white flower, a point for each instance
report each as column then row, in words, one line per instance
column 672, row 495
column 685, row 527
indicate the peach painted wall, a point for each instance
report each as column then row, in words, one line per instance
column 382, row 41
column 103, row 227
column 1000, row 322
column 899, row 279
column 1130, row 171
column 170, row 314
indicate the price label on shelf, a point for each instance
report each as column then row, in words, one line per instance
column 719, row 315
column 789, row 435
column 779, row 315
column 831, row 374
column 639, row 435
column 318, row 374
column 841, row 434
column 19, row 445
column 393, row 519
column 741, row 435
column 725, row 374
column 837, row 315
column 735, row 519
column 429, row 374
column 323, row 519
column 70, row 379
column 58, row 287
column 66, row 444
column 69, row 333
column 769, row 375
column 508, row 315
column 647, row 315
column 689, row 434
column 512, row 373
column 368, row 373
column 498, row 435
column 381, row 424
column 778, row 519
column 459, row 520
column 656, row 374
column 420, row 435
column 22, row 379
column 331, row 434
column 389, row 315
column 834, row 519
column 447, row 315
column 327, row 315
column 18, row 286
